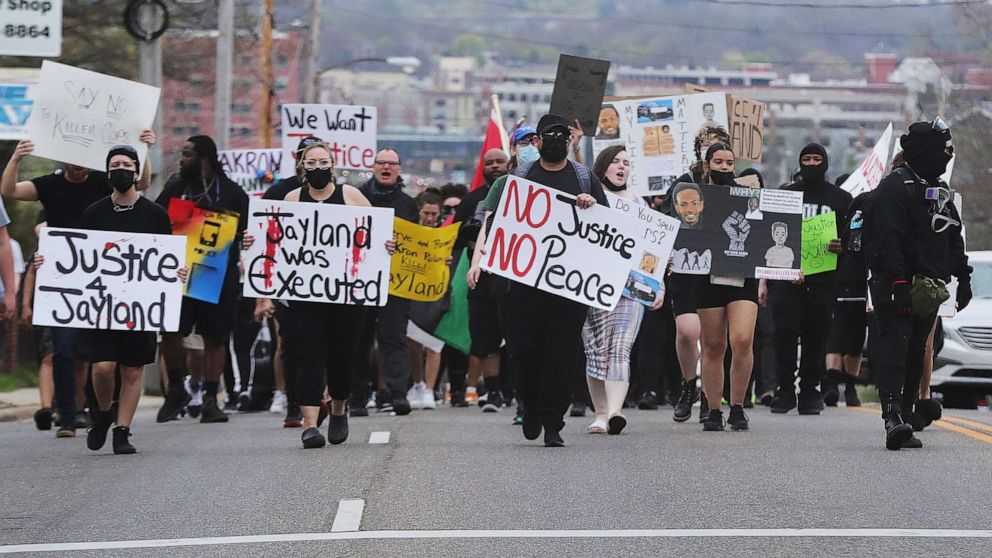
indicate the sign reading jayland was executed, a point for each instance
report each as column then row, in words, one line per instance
column 79, row 115
column 349, row 130
column 579, row 88
column 540, row 238
column 318, row 252
column 420, row 270
column 109, row 280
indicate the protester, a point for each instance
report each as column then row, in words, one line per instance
column 726, row 305
column 64, row 195
column 544, row 330
column 914, row 246
column 425, row 362
column 608, row 335
column 797, row 305
column 385, row 189
column 202, row 180
column 42, row 337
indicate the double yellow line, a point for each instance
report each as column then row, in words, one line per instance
column 973, row 429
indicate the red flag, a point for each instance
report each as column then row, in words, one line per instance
column 494, row 139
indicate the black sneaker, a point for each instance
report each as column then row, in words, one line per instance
column 552, row 439
column 337, row 429
column 616, row 424
column 211, row 412
column 294, row 417
column 896, row 432
column 714, row 421
column 96, row 435
column 458, row 399
column 244, row 402
column 704, row 408
column 851, row 396
column 767, row 398
column 82, row 420
column 578, row 409
column 400, row 404
column 831, row 393
column 43, row 418
column 648, row 401
column 912, row 443
column 810, row 402
column 784, row 401
column 683, row 407
column 737, row 419
column 359, row 411
column 494, row 402
column 121, row 444
column 312, row 439
column 66, row 430
column 175, row 400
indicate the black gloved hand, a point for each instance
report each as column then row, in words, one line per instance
column 902, row 301
column 964, row 295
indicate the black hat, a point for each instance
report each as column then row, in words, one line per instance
column 815, row 149
column 549, row 121
column 126, row 150
column 307, row 142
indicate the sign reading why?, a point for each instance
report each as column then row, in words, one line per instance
column 542, row 239
column 349, row 130
column 109, row 280
column 79, row 115
column 31, row 28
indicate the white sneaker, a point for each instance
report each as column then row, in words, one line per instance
column 415, row 396
column 279, row 403
column 428, row 401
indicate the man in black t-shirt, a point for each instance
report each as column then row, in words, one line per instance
column 202, row 181
column 64, row 195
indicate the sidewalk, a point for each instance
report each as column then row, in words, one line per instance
column 21, row 404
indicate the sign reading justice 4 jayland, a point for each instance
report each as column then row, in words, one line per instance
column 318, row 253
column 109, row 280
column 542, row 239
column 349, row 130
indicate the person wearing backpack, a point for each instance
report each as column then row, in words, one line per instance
column 914, row 247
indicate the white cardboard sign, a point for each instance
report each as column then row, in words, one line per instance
column 79, row 115
column 244, row 166
column 109, row 280
column 871, row 171
column 318, row 252
column 349, row 130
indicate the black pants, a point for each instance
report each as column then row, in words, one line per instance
column 64, row 354
column 901, row 349
column 764, row 374
column 800, row 311
column 544, row 333
column 287, row 352
column 656, row 365
column 327, row 338
column 243, row 340
column 394, row 353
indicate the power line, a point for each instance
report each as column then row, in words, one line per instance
column 906, row 4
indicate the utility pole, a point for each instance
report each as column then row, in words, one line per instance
column 150, row 68
column 225, row 54
column 311, row 77
column 265, row 118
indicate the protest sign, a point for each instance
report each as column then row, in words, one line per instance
column 209, row 236
column 655, row 240
column 540, row 238
column 349, row 130
column 747, row 127
column 31, row 28
column 419, row 269
column 318, row 252
column 15, row 107
column 737, row 231
column 579, row 88
column 817, row 233
column 254, row 169
column 871, row 171
column 79, row 115
column 109, row 280
column 659, row 134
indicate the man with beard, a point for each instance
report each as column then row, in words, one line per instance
column 914, row 246
column 543, row 331
column 65, row 195
column 795, row 303
column 202, row 181
column 385, row 189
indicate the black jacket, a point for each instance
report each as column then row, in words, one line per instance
column 394, row 198
column 820, row 198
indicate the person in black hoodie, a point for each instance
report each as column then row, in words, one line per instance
column 915, row 244
column 809, row 297
column 385, row 189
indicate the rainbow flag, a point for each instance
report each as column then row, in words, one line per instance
column 209, row 236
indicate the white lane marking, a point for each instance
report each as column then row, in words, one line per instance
column 508, row 534
column 379, row 438
column 349, row 515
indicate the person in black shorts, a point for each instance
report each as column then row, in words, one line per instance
column 202, row 180
column 725, row 305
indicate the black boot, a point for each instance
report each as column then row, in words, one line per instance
column 897, row 432
column 337, row 430
column 830, row 388
column 121, row 445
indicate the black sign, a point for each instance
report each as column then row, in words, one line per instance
column 579, row 89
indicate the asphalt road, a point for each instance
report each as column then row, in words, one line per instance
column 460, row 483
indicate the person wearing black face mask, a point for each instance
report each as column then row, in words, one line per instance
column 914, row 244
column 791, row 302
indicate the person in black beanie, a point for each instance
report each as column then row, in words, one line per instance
column 809, row 297
column 915, row 247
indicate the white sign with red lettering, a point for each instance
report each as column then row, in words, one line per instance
column 349, row 130
column 540, row 238
column 871, row 171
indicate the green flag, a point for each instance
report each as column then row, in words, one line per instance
column 453, row 328
column 817, row 233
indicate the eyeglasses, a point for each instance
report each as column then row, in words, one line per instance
column 527, row 140
column 382, row 163
column 938, row 125
column 311, row 164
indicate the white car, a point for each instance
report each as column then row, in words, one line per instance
column 963, row 369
